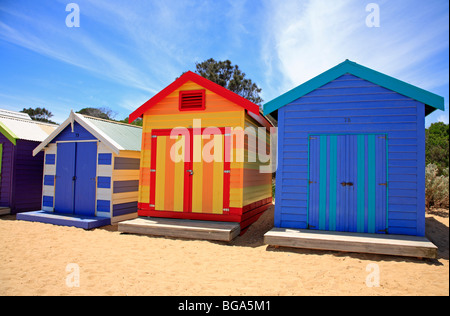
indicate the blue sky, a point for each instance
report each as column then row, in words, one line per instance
column 124, row 52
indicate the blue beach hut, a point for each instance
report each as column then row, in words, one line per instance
column 351, row 153
column 91, row 173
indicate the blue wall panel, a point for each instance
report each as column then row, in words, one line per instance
column 350, row 105
column 79, row 133
column 104, row 159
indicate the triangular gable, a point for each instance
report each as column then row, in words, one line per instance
column 431, row 100
column 74, row 132
column 88, row 126
column 190, row 76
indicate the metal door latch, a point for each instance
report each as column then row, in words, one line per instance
column 191, row 172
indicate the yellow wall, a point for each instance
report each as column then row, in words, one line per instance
column 219, row 112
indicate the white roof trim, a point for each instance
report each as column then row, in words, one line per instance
column 111, row 144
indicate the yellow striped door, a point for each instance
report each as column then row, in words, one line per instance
column 208, row 168
column 169, row 183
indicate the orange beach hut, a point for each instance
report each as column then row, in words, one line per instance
column 201, row 154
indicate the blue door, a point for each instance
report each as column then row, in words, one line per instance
column 85, row 171
column 64, row 178
column 348, row 183
column 76, row 178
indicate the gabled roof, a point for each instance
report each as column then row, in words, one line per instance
column 15, row 114
column 16, row 127
column 116, row 136
column 190, row 76
column 431, row 100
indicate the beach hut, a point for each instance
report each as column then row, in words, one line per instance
column 351, row 153
column 91, row 173
column 212, row 180
column 20, row 172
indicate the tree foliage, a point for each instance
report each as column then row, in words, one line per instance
column 229, row 76
column 437, row 145
column 138, row 121
column 103, row 113
column 437, row 190
column 39, row 114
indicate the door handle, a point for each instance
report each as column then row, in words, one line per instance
column 343, row 184
column 191, row 172
column 350, row 184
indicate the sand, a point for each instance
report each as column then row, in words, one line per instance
column 34, row 258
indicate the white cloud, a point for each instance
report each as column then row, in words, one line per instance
column 306, row 38
column 443, row 118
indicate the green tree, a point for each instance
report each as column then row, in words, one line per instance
column 103, row 113
column 437, row 145
column 227, row 75
column 39, row 114
column 138, row 121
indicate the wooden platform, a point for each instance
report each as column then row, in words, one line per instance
column 85, row 222
column 397, row 245
column 184, row 228
column 5, row 210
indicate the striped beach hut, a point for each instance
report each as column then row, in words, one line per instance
column 20, row 171
column 198, row 121
column 91, row 173
column 351, row 153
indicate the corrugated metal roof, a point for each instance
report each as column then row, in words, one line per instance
column 25, row 129
column 126, row 135
column 117, row 136
column 21, row 115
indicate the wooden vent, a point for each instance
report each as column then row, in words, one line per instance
column 192, row 100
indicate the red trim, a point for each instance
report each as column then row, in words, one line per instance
column 190, row 76
column 227, row 166
column 188, row 165
column 251, row 213
column 191, row 106
column 261, row 120
column 252, row 216
column 153, row 167
column 195, row 216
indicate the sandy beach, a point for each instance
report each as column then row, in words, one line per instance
column 34, row 258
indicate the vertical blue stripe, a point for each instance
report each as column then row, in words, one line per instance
column 104, row 159
column 323, row 182
column 104, row 182
column 47, row 201
column 50, row 159
column 340, row 192
column 361, row 184
column 49, row 180
column 327, row 209
column 371, row 200
column 366, row 190
column 333, row 182
column 313, row 211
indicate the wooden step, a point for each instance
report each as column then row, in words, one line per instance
column 397, row 245
column 182, row 228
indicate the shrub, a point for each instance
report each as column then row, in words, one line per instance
column 437, row 191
